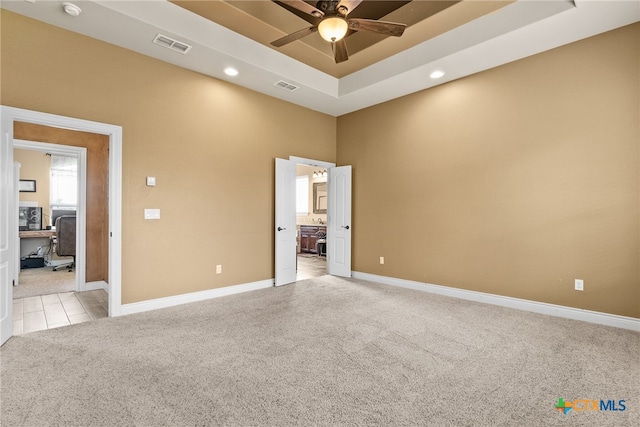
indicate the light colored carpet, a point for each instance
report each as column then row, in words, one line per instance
column 325, row 351
column 44, row 281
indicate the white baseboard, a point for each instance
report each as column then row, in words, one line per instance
column 99, row 284
column 622, row 322
column 154, row 304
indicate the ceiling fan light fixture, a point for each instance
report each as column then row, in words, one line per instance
column 333, row 29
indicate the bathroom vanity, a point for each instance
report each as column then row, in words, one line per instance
column 308, row 235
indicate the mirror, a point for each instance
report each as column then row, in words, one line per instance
column 319, row 197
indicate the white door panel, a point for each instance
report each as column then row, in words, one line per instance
column 285, row 226
column 339, row 220
column 16, row 213
column 8, row 231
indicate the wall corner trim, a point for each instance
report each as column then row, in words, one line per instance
column 606, row 319
column 154, row 304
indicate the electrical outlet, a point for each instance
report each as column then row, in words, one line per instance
column 381, row 260
column 579, row 285
column 218, row 269
column 152, row 214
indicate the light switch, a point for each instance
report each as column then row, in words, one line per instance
column 152, row 214
column 151, row 181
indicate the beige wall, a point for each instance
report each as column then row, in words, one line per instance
column 210, row 144
column 37, row 166
column 514, row 181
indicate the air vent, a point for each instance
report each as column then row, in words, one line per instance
column 172, row 44
column 285, row 86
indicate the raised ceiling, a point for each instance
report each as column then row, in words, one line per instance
column 458, row 37
column 266, row 21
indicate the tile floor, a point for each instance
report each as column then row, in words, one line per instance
column 311, row 266
column 52, row 311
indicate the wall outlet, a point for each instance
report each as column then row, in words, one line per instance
column 218, row 269
column 152, row 214
column 381, row 260
column 579, row 285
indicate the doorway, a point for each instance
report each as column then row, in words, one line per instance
column 51, row 288
column 338, row 219
column 311, row 221
column 61, row 190
column 9, row 244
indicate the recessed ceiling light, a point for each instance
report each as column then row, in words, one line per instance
column 229, row 71
column 71, row 9
column 436, row 74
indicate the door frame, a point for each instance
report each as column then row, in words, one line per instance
column 11, row 114
column 318, row 164
column 312, row 162
column 80, row 153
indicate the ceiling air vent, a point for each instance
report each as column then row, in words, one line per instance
column 172, row 44
column 285, row 86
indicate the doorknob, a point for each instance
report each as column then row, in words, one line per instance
column 280, row 228
column 346, row 227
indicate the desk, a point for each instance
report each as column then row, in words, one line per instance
column 31, row 240
column 30, row 234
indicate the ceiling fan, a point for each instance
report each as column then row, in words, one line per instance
column 330, row 19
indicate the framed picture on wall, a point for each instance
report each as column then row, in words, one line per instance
column 27, row 186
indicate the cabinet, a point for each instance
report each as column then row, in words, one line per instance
column 309, row 237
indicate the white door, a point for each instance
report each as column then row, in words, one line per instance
column 7, row 233
column 16, row 203
column 339, row 222
column 285, row 226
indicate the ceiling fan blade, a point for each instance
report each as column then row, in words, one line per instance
column 380, row 27
column 294, row 36
column 340, row 53
column 349, row 4
column 302, row 6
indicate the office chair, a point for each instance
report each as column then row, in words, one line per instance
column 66, row 240
column 57, row 213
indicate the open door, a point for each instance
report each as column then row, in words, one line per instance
column 14, row 208
column 8, row 233
column 285, row 224
column 339, row 222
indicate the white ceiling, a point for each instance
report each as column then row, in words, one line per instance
column 516, row 31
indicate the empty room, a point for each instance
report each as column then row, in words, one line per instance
column 465, row 251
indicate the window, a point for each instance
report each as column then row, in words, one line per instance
column 302, row 195
column 64, row 182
